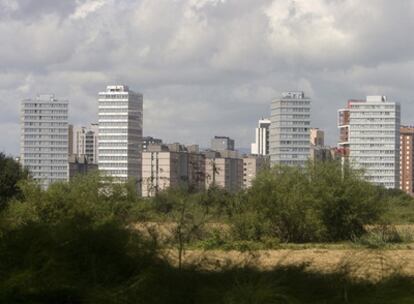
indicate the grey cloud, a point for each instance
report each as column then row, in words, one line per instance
column 205, row 67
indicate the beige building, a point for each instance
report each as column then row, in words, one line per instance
column 317, row 137
column 252, row 165
column 406, row 159
column 224, row 169
column 83, row 142
column 165, row 166
column 318, row 150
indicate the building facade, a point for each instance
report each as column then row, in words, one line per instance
column 406, row 159
column 261, row 144
column 343, row 127
column 317, row 137
column 80, row 165
column 290, row 129
column 252, row 165
column 224, row 172
column 165, row 166
column 120, row 133
column 374, row 139
column 221, row 143
column 149, row 140
column 83, row 142
column 44, row 138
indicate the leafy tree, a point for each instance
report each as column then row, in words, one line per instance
column 10, row 174
column 347, row 202
column 285, row 208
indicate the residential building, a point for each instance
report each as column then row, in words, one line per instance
column 224, row 172
column 318, row 150
column 322, row 153
column 120, row 133
column 317, row 137
column 343, row 126
column 406, row 159
column 374, row 139
column 148, row 140
column 252, row 165
column 44, row 138
column 80, row 165
column 290, row 129
column 221, row 143
column 261, row 144
column 175, row 165
column 83, row 141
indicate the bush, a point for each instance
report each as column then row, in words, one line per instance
column 321, row 202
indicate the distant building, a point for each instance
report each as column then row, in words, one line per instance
column 261, row 144
column 374, row 139
column 290, row 129
column 120, row 133
column 322, row 153
column 175, row 165
column 344, row 116
column 318, row 150
column 80, row 165
column 226, row 173
column 148, row 140
column 221, row 143
column 406, row 159
column 252, row 165
column 83, row 141
column 317, row 137
column 44, row 138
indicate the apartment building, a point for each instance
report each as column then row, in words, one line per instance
column 175, row 165
column 261, row 144
column 83, row 142
column 44, row 138
column 222, row 143
column 406, row 159
column 252, row 165
column 290, row 129
column 120, row 133
column 374, row 139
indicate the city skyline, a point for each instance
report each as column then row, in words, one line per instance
column 217, row 82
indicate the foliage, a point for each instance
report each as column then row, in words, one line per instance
column 73, row 243
column 321, row 202
column 11, row 173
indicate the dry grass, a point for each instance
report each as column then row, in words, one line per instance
column 364, row 264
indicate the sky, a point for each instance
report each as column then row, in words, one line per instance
column 205, row 67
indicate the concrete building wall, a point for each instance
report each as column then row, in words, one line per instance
column 164, row 169
column 290, row 129
column 83, row 141
column 261, row 144
column 374, row 140
column 252, row 165
column 317, row 137
column 120, row 133
column 80, row 165
column 44, row 138
column 223, row 172
column 222, row 143
column 406, row 159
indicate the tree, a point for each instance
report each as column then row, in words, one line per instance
column 347, row 202
column 10, row 174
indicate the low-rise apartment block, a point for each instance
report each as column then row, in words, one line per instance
column 175, row 165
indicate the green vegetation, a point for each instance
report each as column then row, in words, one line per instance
column 10, row 175
column 94, row 241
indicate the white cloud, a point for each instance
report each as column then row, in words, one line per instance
column 205, row 67
column 84, row 9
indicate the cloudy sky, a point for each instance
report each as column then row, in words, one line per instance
column 205, row 67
